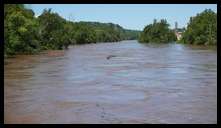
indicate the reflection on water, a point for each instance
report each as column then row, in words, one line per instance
column 142, row 83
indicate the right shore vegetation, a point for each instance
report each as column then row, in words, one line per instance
column 201, row 30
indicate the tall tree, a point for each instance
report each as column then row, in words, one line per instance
column 51, row 30
column 20, row 30
column 201, row 29
column 158, row 32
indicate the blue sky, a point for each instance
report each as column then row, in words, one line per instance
column 130, row 16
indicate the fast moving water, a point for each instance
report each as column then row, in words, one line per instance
column 169, row 83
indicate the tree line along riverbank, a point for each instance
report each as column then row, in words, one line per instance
column 201, row 30
column 26, row 34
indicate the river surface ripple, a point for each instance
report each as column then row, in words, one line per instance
column 161, row 83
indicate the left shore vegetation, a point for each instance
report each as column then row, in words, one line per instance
column 26, row 34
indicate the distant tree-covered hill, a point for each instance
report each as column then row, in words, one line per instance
column 106, row 32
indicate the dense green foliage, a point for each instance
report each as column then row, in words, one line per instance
column 201, row 29
column 131, row 34
column 20, row 30
column 108, row 32
column 51, row 29
column 25, row 33
column 158, row 32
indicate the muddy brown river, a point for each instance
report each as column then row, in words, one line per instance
column 138, row 83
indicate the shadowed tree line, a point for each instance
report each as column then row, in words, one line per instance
column 24, row 33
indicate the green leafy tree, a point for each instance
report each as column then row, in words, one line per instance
column 85, row 35
column 51, row 30
column 201, row 29
column 20, row 28
column 158, row 32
